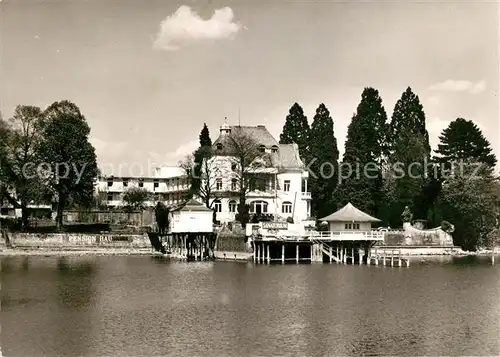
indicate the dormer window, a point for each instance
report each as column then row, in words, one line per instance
column 262, row 148
column 274, row 149
column 219, row 146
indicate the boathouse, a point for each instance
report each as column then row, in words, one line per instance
column 191, row 235
column 193, row 216
column 349, row 239
column 350, row 223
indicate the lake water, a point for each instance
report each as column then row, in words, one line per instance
column 145, row 306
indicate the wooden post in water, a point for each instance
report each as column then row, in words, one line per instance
column 345, row 255
column 352, row 256
column 392, row 258
column 268, row 253
column 297, row 253
column 283, row 253
column 338, row 257
column 331, row 254
column 360, row 257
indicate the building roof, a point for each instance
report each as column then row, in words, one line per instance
column 258, row 133
column 287, row 157
column 192, row 206
column 349, row 213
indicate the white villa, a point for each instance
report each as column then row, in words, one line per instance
column 280, row 188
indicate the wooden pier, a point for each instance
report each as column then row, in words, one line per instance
column 273, row 250
column 189, row 246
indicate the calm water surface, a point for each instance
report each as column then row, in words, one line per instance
column 144, row 306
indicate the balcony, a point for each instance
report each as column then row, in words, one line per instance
column 348, row 235
column 305, row 195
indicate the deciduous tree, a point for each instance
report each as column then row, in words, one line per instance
column 20, row 158
column 68, row 155
column 135, row 199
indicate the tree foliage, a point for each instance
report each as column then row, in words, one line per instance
column 324, row 157
column 296, row 130
column 135, row 199
column 205, row 172
column 69, row 156
column 162, row 217
column 463, row 139
column 469, row 200
column 195, row 163
column 365, row 154
column 409, row 155
column 20, row 157
column 247, row 160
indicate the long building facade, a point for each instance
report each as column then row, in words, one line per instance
column 278, row 190
column 169, row 184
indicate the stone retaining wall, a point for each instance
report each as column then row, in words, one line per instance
column 35, row 240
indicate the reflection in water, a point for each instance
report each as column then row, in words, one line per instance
column 46, row 306
column 145, row 306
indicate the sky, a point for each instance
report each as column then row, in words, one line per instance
column 148, row 73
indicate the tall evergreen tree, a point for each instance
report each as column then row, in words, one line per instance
column 409, row 155
column 202, row 153
column 462, row 139
column 296, row 130
column 324, row 156
column 365, row 152
column 205, row 136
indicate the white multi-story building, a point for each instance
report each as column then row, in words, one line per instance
column 169, row 184
column 279, row 189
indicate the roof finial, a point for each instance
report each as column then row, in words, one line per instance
column 225, row 120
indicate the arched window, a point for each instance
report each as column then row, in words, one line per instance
column 234, row 184
column 217, row 206
column 262, row 148
column 219, row 146
column 258, row 207
column 274, row 148
column 232, row 206
column 286, row 207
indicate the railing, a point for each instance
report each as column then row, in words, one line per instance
column 349, row 235
column 305, row 194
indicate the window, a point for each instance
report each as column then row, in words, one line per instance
column 286, row 185
column 286, row 207
column 110, row 197
column 234, row 185
column 232, row 206
column 219, row 146
column 125, row 183
column 274, row 149
column 110, row 183
column 234, row 166
column 258, row 207
column 156, row 183
column 141, row 183
column 217, row 206
column 218, row 184
column 262, row 148
column 352, row 226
